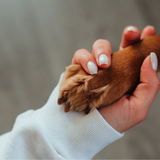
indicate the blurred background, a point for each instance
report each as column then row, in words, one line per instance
column 37, row 41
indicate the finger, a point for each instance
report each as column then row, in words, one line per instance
column 131, row 110
column 148, row 31
column 86, row 60
column 149, row 85
column 102, row 51
column 131, row 34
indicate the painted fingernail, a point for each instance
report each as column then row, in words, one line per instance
column 131, row 28
column 103, row 59
column 154, row 61
column 121, row 48
column 92, row 68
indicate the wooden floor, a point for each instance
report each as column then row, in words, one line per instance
column 37, row 41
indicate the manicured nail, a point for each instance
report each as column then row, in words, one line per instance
column 92, row 68
column 131, row 28
column 154, row 61
column 103, row 59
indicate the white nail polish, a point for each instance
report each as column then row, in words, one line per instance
column 131, row 28
column 103, row 59
column 154, row 61
column 92, row 68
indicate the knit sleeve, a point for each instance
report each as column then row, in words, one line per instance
column 49, row 132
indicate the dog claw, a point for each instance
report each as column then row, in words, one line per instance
column 87, row 110
column 67, row 107
column 59, row 101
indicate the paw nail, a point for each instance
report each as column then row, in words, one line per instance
column 67, row 107
column 92, row 68
column 154, row 61
column 103, row 59
column 131, row 28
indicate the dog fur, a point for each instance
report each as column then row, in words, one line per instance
column 81, row 91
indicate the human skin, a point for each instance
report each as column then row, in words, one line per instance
column 130, row 109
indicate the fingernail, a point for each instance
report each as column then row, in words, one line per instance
column 154, row 61
column 92, row 68
column 103, row 59
column 121, row 48
column 131, row 28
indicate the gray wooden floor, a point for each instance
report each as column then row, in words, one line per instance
column 38, row 39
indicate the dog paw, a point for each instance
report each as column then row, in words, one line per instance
column 73, row 83
column 80, row 91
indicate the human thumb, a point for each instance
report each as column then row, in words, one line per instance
column 149, row 81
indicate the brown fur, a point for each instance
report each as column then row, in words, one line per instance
column 81, row 91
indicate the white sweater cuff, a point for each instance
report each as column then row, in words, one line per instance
column 74, row 135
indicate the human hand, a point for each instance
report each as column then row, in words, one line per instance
column 129, row 110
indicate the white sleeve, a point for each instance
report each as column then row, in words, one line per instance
column 50, row 133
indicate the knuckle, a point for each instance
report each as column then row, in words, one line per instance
column 78, row 55
column 101, row 42
column 83, row 55
column 80, row 51
column 98, row 41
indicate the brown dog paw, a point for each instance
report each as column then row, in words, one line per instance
column 73, row 83
column 80, row 91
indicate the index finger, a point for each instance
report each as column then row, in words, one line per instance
column 86, row 60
